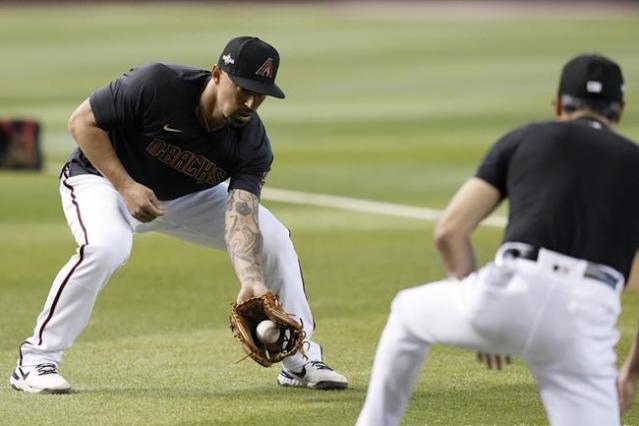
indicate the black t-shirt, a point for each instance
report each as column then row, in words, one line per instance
column 149, row 114
column 573, row 188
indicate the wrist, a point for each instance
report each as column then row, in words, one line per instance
column 123, row 184
column 250, row 285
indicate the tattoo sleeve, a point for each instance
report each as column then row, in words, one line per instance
column 243, row 237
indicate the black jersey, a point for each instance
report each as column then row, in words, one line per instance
column 150, row 116
column 573, row 188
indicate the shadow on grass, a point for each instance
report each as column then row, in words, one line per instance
column 264, row 392
column 478, row 404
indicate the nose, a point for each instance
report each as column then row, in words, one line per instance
column 251, row 102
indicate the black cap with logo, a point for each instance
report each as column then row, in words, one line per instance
column 252, row 64
column 592, row 77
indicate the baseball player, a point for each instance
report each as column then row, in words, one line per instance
column 551, row 296
column 155, row 149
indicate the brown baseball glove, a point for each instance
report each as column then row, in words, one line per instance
column 247, row 315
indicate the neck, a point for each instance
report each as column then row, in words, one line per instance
column 207, row 111
column 605, row 121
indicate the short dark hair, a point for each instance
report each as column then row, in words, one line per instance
column 607, row 108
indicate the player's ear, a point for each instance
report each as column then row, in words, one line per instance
column 623, row 104
column 216, row 73
column 616, row 120
column 556, row 102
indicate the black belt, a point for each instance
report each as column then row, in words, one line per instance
column 593, row 271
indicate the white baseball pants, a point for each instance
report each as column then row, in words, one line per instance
column 103, row 230
column 560, row 323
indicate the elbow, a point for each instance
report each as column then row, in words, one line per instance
column 441, row 235
column 82, row 118
column 79, row 120
column 445, row 235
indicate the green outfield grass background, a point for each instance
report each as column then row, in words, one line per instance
column 395, row 107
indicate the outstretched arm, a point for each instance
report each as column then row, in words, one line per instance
column 244, row 242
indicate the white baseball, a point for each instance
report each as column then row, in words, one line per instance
column 268, row 332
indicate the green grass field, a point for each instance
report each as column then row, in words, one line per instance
column 389, row 108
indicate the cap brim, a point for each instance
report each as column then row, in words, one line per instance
column 258, row 87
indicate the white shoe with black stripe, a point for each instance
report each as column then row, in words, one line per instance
column 315, row 375
column 41, row 378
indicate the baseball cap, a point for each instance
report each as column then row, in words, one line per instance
column 252, row 64
column 592, row 76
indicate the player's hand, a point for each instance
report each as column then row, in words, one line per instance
column 252, row 290
column 142, row 202
column 626, row 387
column 493, row 360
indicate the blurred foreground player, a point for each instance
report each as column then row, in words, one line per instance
column 551, row 296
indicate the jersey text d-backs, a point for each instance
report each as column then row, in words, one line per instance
column 150, row 116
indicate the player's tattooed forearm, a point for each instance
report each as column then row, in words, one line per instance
column 243, row 237
column 243, row 208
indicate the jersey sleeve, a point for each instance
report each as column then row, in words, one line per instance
column 494, row 167
column 254, row 159
column 123, row 102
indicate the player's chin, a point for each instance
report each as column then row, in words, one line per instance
column 240, row 119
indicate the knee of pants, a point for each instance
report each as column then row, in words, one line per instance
column 398, row 305
column 399, row 302
column 109, row 254
column 402, row 306
column 276, row 240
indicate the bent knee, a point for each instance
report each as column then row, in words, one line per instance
column 276, row 239
column 110, row 253
column 401, row 300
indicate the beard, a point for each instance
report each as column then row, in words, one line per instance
column 237, row 121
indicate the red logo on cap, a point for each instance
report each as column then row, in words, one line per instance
column 266, row 70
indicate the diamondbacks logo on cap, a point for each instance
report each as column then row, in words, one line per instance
column 228, row 59
column 266, row 70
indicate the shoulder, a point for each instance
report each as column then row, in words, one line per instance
column 253, row 140
column 627, row 145
column 150, row 70
column 534, row 131
column 160, row 73
column 254, row 131
column 513, row 137
column 532, row 128
column 163, row 68
column 171, row 87
column 509, row 143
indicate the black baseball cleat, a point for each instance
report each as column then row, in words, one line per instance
column 314, row 375
column 41, row 378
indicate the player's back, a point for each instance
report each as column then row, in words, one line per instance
column 574, row 188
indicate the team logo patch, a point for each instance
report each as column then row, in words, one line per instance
column 594, row 86
column 228, row 59
column 166, row 128
column 266, row 70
